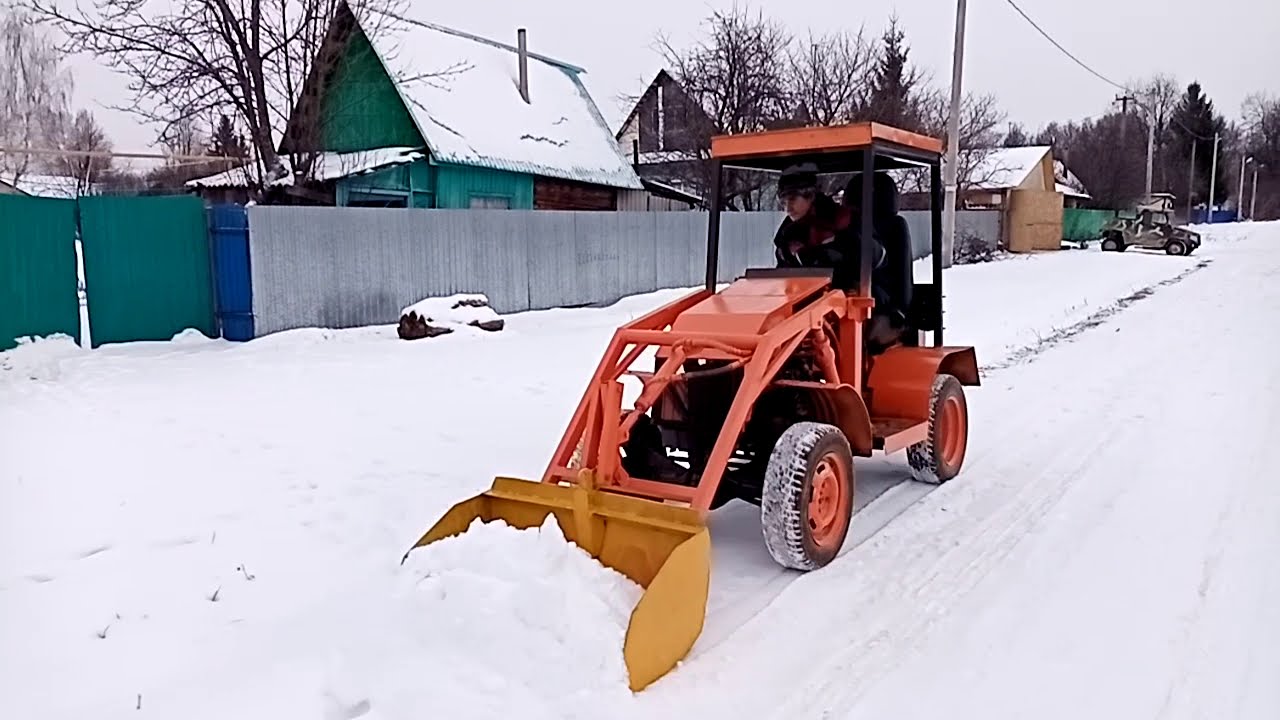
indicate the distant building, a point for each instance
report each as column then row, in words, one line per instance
column 425, row 116
column 665, row 134
column 441, row 120
column 45, row 186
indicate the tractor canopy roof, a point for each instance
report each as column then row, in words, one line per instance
column 834, row 149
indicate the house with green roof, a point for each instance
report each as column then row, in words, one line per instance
column 413, row 114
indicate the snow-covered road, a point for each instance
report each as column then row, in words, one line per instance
column 1108, row 552
column 202, row 529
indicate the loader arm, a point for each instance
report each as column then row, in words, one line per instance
column 756, row 324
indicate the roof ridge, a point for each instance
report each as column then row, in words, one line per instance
column 489, row 41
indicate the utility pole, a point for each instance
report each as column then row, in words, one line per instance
column 1253, row 196
column 1213, row 177
column 1244, row 160
column 1124, row 101
column 953, row 142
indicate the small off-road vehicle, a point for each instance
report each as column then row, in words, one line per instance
column 1148, row 226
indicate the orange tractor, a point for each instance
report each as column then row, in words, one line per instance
column 765, row 391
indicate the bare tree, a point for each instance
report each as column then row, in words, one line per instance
column 736, row 74
column 829, row 77
column 980, row 122
column 1261, row 126
column 189, row 60
column 84, row 134
column 1158, row 97
column 35, row 92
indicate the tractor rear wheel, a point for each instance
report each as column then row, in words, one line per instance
column 806, row 503
column 938, row 458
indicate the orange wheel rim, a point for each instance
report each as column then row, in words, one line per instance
column 828, row 501
column 952, row 428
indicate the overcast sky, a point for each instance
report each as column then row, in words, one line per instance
column 1035, row 83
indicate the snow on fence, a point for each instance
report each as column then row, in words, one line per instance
column 348, row 267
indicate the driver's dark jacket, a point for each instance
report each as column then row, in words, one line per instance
column 828, row 237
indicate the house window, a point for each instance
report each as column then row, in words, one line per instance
column 490, row 202
column 379, row 200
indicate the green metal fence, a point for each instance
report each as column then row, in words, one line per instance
column 1079, row 225
column 37, row 268
column 147, row 267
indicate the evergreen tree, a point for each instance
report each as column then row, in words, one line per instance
column 1016, row 136
column 1194, row 121
column 893, row 98
column 226, row 142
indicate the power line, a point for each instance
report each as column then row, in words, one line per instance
column 107, row 153
column 1065, row 51
column 1099, row 75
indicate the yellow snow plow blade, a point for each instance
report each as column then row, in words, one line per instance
column 666, row 549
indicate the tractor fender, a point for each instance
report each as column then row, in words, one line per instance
column 901, row 378
column 838, row 405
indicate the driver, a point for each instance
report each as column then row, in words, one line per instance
column 816, row 231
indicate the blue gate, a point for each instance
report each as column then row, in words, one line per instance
column 229, row 232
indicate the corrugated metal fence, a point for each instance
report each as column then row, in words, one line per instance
column 1080, row 224
column 233, row 290
column 37, row 268
column 347, row 267
column 146, row 267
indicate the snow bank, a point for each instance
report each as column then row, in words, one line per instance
column 38, row 358
column 493, row 621
column 1233, row 232
column 305, row 457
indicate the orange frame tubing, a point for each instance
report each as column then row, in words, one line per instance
column 600, row 426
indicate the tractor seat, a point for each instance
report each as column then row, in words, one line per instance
column 895, row 277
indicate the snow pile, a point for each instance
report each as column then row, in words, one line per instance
column 435, row 316
column 38, row 358
column 494, row 621
column 190, row 336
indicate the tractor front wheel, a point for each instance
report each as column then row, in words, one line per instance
column 938, row 458
column 806, row 503
column 1176, row 247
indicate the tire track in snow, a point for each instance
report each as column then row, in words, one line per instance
column 889, row 506
column 855, row 669
column 964, row 552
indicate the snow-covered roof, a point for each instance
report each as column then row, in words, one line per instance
column 46, row 186
column 463, row 93
column 1070, row 191
column 326, row 166
column 1003, row 168
column 1066, row 181
column 236, row 177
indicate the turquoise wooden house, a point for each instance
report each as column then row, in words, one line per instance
column 425, row 116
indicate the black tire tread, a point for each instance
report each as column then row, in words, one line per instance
column 782, row 497
column 923, row 456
